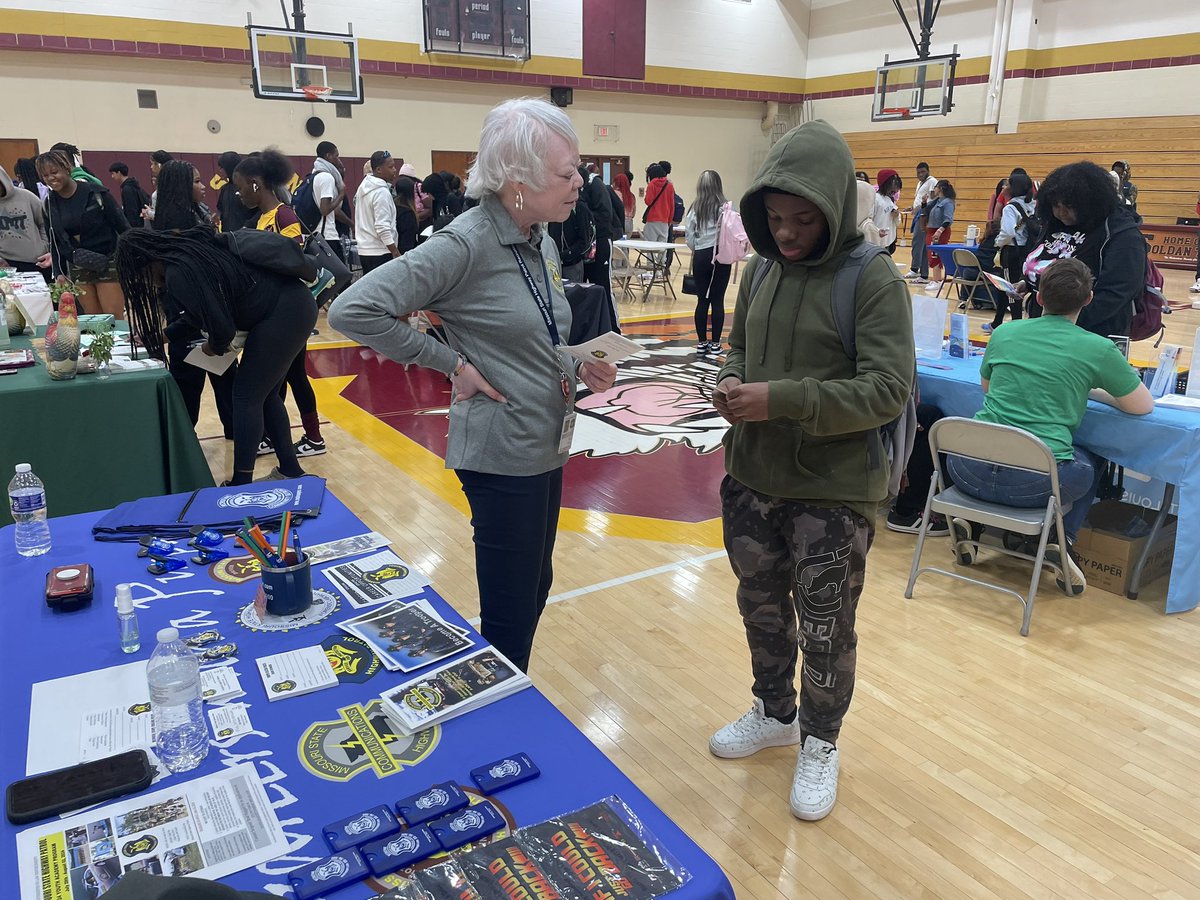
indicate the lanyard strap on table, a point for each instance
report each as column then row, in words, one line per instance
column 543, row 306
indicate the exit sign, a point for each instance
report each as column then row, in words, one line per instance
column 606, row 132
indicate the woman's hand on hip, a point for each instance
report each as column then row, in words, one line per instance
column 598, row 376
column 469, row 382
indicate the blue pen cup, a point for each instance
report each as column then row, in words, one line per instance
column 289, row 588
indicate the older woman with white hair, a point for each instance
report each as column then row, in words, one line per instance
column 494, row 280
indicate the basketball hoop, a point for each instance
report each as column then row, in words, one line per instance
column 900, row 112
column 317, row 91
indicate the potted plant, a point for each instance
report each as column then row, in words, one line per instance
column 101, row 353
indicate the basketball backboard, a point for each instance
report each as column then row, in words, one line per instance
column 304, row 65
column 906, row 89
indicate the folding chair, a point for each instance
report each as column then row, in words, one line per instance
column 965, row 259
column 1006, row 446
column 625, row 273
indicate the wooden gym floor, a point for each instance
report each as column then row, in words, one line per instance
column 975, row 762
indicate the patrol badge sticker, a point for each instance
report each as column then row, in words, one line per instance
column 283, row 687
column 138, row 709
column 555, row 275
column 352, row 660
column 386, row 573
column 144, row 844
column 362, row 739
column 235, row 570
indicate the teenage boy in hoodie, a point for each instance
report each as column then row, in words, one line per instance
column 22, row 227
column 375, row 213
column 133, row 198
column 800, row 497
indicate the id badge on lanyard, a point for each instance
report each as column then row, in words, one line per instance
column 568, row 426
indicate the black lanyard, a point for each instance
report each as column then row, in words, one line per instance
column 544, row 308
column 547, row 312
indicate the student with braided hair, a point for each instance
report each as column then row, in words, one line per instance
column 180, row 207
column 192, row 279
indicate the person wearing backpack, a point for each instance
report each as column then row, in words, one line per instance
column 1082, row 217
column 702, row 226
column 806, row 472
column 574, row 238
column 327, row 193
column 1016, row 237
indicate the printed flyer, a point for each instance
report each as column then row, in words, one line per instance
column 212, row 826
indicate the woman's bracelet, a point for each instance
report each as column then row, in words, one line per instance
column 462, row 364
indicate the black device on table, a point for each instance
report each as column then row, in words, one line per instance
column 41, row 796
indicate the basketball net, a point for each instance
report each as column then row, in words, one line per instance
column 317, row 91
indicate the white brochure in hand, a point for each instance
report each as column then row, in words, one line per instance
column 215, row 364
column 610, row 348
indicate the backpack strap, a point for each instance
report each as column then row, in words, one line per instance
column 845, row 289
column 760, row 274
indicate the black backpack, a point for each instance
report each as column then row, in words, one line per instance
column 677, row 216
column 304, row 204
column 895, row 437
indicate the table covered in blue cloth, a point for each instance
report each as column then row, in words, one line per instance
column 322, row 756
column 1164, row 444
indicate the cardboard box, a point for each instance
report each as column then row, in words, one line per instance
column 1108, row 554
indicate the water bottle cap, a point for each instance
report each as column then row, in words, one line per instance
column 22, row 468
column 124, row 598
column 166, row 635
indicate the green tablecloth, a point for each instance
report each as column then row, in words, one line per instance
column 98, row 443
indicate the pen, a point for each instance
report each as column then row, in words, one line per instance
column 296, row 544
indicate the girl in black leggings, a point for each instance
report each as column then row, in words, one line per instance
column 712, row 278
column 191, row 279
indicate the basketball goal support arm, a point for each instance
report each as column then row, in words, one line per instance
column 927, row 11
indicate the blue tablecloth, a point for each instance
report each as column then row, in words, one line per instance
column 43, row 645
column 1164, row 444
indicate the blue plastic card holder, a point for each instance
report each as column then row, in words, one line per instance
column 399, row 851
column 466, row 825
column 506, row 772
column 377, row 822
column 429, row 804
column 327, row 875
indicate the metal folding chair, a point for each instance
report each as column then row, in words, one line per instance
column 965, row 259
column 1006, row 446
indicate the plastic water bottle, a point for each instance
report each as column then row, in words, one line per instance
column 27, row 501
column 180, row 732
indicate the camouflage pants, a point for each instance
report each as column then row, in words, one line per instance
column 800, row 572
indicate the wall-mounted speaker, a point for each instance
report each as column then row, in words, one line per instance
column 314, row 126
column 562, row 96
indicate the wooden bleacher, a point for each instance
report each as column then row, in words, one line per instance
column 1164, row 153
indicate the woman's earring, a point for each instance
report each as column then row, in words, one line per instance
column 520, row 201
column 255, row 188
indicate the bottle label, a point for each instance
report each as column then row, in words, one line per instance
column 28, row 503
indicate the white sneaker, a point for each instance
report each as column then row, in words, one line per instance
column 753, row 732
column 814, row 786
column 1195, row 288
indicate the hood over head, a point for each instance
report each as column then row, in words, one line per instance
column 812, row 161
column 6, row 181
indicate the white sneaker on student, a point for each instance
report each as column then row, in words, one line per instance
column 814, row 786
column 1195, row 288
column 753, row 732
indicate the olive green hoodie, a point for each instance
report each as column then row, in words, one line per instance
column 823, row 408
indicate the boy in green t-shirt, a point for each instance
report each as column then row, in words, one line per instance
column 1038, row 374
